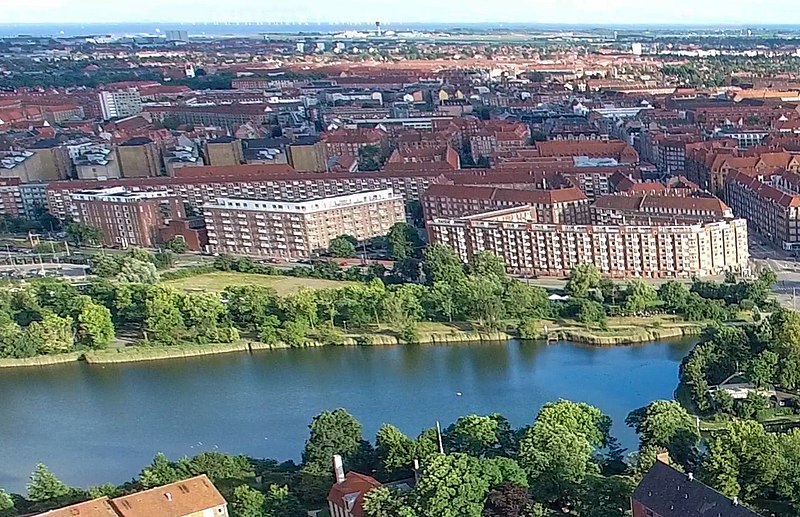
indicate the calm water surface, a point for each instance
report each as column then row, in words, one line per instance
column 94, row 424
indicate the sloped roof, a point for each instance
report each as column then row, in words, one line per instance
column 174, row 500
column 349, row 493
column 94, row 508
column 670, row 493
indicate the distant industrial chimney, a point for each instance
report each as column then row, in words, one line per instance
column 338, row 468
column 378, row 29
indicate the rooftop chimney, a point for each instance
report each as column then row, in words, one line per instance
column 338, row 468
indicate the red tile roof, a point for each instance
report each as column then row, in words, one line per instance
column 188, row 497
column 94, row 508
column 349, row 494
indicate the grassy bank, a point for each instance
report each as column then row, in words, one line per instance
column 42, row 360
column 133, row 354
column 618, row 331
column 283, row 285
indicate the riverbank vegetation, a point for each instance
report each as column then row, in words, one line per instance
column 129, row 302
column 564, row 462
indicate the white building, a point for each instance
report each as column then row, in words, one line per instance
column 120, row 104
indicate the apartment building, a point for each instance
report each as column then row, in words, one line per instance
column 528, row 248
column 126, row 218
column 226, row 116
column 193, row 497
column 296, row 230
column 11, row 203
column 351, row 141
column 657, row 209
column 120, row 103
column 771, row 205
column 199, row 185
column 139, row 157
column 223, row 151
column 612, row 149
column 557, row 206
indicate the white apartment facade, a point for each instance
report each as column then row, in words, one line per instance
column 679, row 251
column 120, row 104
column 297, row 230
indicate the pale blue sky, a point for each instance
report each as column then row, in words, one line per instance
column 742, row 12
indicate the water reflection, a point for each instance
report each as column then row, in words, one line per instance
column 94, row 424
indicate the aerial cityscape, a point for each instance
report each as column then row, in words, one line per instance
column 431, row 259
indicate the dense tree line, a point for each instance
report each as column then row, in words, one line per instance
column 766, row 354
column 128, row 300
column 566, row 459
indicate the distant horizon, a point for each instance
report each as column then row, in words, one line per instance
column 449, row 12
column 253, row 28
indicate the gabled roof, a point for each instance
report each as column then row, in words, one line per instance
column 94, row 508
column 670, row 493
column 349, row 494
column 188, row 497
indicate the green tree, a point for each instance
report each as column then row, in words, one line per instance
column 441, row 264
column 557, row 460
column 163, row 319
column 382, row 502
column 673, row 294
column 483, row 301
column 248, row 502
column 83, row 234
column 404, row 241
column 764, row 368
column 639, row 297
column 743, row 457
column 395, row 453
column 332, row 432
column 281, row 502
column 602, row 496
column 294, row 333
column 6, row 505
column 177, row 245
column 94, row 327
column 51, row 335
column 590, row 311
column 302, row 307
column 486, row 263
column 452, row 485
column 582, row 279
column 666, row 424
column 478, row 436
column 580, row 418
column 525, row 302
column 343, row 246
column 137, row 271
column 45, row 486
column 160, row 472
column 249, row 306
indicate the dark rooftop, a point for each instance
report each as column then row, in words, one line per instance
column 222, row 140
column 47, row 143
column 306, row 140
column 670, row 493
column 139, row 140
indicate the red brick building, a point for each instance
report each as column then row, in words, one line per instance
column 560, row 206
column 126, row 218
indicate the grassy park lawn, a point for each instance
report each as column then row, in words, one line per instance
column 284, row 285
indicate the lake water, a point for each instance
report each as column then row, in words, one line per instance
column 95, row 424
